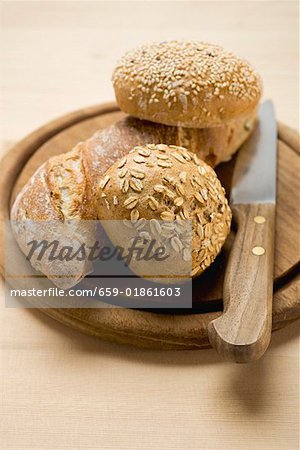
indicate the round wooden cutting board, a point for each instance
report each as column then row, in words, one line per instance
column 176, row 329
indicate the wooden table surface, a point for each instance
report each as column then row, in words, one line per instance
column 64, row 390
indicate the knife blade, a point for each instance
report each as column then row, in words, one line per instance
column 254, row 176
column 243, row 331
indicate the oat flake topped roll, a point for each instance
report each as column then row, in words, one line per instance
column 186, row 83
column 167, row 183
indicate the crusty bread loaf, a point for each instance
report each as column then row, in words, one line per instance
column 166, row 183
column 186, row 83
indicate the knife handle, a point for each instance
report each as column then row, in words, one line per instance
column 243, row 332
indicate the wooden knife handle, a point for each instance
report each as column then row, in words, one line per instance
column 243, row 331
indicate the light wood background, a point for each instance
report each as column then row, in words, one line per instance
column 63, row 390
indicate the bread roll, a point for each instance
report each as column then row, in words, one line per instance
column 167, row 183
column 186, row 84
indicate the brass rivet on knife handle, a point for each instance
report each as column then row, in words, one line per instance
column 258, row 251
column 259, row 219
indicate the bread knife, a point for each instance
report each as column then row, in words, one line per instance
column 242, row 333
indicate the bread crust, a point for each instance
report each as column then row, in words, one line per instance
column 186, row 83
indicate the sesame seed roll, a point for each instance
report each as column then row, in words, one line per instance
column 186, row 83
